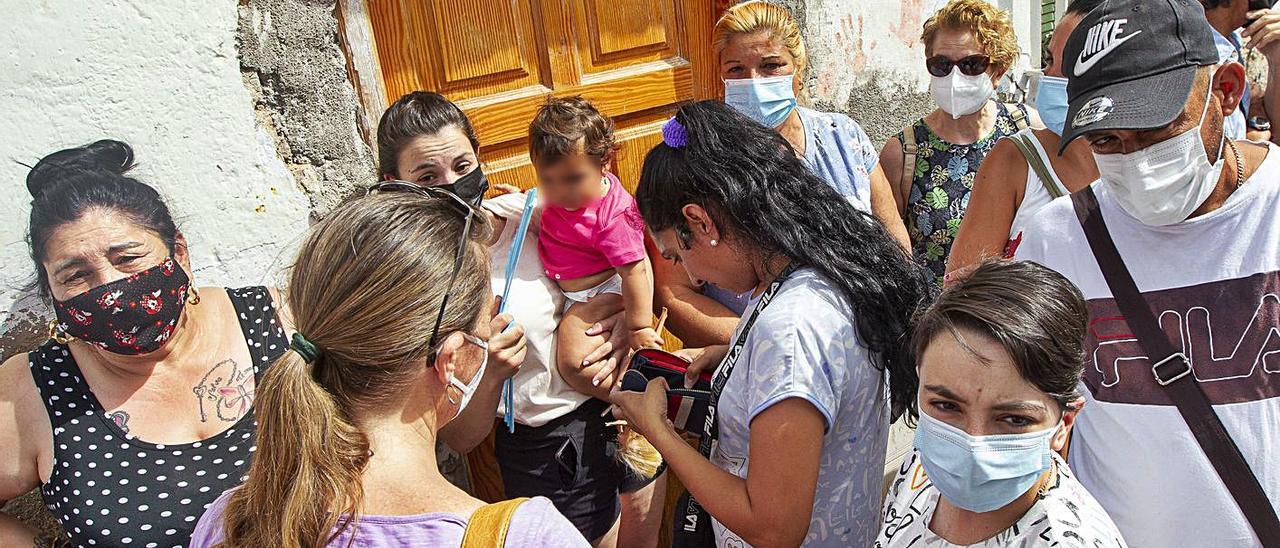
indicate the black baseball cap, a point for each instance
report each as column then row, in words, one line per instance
column 1131, row 64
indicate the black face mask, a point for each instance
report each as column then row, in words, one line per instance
column 471, row 187
column 130, row 316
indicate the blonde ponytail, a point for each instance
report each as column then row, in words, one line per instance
column 315, row 454
column 364, row 279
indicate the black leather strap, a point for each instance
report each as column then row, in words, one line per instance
column 1173, row 372
column 692, row 527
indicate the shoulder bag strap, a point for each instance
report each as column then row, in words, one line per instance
column 1029, row 153
column 1172, row 370
column 691, row 527
column 910, row 150
column 1019, row 115
column 488, row 526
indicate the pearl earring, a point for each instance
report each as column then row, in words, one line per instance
column 714, row 243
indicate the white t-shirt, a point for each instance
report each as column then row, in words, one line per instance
column 1213, row 282
column 805, row 345
column 540, row 394
column 1064, row 516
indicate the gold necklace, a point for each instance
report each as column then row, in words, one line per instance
column 1239, row 162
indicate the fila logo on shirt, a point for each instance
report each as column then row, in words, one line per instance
column 1103, row 38
column 1230, row 331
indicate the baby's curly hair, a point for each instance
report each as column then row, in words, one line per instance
column 568, row 126
column 991, row 27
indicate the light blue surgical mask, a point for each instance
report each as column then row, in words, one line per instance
column 981, row 473
column 765, row 100
column 1051, row 102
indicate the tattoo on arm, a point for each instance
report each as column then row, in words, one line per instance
column 121, row 418
column 225, row 392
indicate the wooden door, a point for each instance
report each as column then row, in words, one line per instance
column 501, row 59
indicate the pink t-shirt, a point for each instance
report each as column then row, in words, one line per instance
column 607, row 233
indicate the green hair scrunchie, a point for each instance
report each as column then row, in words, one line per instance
column 307, row 349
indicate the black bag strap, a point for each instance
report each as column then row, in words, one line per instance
column 1173, row 372
column 692, row 526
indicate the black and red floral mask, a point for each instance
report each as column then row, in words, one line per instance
column 130, row 316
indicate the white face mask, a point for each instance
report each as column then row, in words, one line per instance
column 1164, row 183
column 469, row 389
column 959, row 94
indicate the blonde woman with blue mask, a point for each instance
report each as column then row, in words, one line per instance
column 999, row 358
column 1023, row 173
column 761, row 59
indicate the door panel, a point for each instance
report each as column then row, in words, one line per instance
column 624, row 32
column 500, row 60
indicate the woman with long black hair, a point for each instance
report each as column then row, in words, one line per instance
column 801, row 417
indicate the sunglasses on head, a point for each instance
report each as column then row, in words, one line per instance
column 470, row 211
column 973, row 65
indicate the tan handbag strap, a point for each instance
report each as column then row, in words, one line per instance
column 1029, row 153
column 488, row 526
column 1019, row 117
column 910, row 150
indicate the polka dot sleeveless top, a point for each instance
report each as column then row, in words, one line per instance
column 111, row 489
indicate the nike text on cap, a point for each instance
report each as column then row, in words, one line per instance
column 1131, row 64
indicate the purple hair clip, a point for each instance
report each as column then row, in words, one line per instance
column 674, row 134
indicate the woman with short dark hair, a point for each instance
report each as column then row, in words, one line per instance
column 138, row 411
column 1000, row 358
column 801, row 413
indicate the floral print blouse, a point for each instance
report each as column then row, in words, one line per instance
column 940, row 187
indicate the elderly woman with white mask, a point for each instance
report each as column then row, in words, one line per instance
column 969, row 46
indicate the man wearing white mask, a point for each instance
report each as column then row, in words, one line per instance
column 1177, row 251
column 969, row 46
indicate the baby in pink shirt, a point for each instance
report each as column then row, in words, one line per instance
column 591, row 239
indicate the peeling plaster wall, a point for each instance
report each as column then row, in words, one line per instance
column 298, row 74
column 164, row 77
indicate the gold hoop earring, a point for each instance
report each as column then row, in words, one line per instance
column 193, row 296
column 450, row 398
column 59, row 336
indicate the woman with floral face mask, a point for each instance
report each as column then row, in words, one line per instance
column 138, row 410
column 761, row 56
column 969, row 45
column 1002, row 200
column 999, row 359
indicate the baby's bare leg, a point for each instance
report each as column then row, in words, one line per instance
column 573, row 344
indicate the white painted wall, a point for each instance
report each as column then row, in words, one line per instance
column 164, row 77
column 857, row 41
